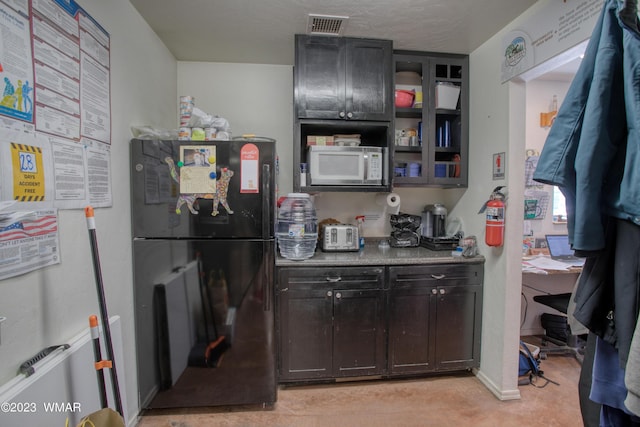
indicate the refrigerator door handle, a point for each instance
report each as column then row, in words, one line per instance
column 267, row 284
column 266, row 201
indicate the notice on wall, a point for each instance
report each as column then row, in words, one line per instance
column 55, row 125
column 556, row 27
column 26, row 171
column 16, row 64
column 55, row 66
column 499, row 164
column 28, row 240
column 97, row 173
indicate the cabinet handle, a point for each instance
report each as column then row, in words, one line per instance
column 349, row 115
column 438, row 276
column 442, row 291
column 334, row 279
column 341, row 114
column 329, row 293
column 434, row 291
column 338, row 295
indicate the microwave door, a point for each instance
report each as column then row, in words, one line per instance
column 337, row 167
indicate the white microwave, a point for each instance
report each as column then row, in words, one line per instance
column 334, row 165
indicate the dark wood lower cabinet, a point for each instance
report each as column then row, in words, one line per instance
column 350, row 322
column 330, row 323
column 411, row 316
column 435, row 316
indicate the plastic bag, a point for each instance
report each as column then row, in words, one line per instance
column 404, row 221
column 200, row 119
column 149, row 132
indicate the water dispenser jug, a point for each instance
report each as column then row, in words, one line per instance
column 297, row 227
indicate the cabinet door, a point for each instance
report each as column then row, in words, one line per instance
column 324, row 312
column 369, row 90
column 457, row 328
column 358, row 332
column 319, row 86
column 305, row 333
column 452, row 293
column 441, row 156
column 411, row 316
column 410, row 160
column 448, row 123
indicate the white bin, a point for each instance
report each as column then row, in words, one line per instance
column 447, row 96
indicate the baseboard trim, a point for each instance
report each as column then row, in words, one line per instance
column 493, row 388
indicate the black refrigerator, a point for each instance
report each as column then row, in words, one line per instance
column 204, row 258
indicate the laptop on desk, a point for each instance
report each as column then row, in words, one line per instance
column 560, row 249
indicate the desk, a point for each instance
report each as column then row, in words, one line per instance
column 536, row 281
column 543, row 264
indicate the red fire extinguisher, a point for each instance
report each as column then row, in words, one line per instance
column 494, row 211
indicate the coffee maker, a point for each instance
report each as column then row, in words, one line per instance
column 434, row 221
column 434, row 229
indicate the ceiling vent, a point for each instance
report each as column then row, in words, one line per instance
column 326, row 25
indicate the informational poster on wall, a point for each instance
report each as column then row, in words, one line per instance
column 28, row 240
column 55, row 112
column 556, row 27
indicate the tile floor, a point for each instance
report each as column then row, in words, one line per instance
column 439, row 401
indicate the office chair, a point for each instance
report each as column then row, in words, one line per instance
column 562, row 343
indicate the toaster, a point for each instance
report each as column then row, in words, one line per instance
column 340, row 238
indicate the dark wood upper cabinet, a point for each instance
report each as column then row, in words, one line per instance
column 343, row 78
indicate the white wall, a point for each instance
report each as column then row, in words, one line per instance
column 52, row 305
column 490, row 133
column 254, row 98
column 498, row 123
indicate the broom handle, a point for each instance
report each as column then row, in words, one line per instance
column 95, row 335
column 91, row 225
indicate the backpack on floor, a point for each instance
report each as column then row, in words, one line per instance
column 529, row 368
column 528, row 364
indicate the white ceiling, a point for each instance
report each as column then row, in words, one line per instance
column 262, row 31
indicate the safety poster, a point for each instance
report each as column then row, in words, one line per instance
column 55, row 125
column 55, row 117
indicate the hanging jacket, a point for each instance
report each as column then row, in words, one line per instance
column 591, row 152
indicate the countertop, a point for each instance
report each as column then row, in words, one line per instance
column 372, row 255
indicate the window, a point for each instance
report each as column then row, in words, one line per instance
column 559, row 207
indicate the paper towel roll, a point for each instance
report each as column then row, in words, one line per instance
column 391, row 200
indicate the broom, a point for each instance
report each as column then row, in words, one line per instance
column 207, row 354
column 91, row 225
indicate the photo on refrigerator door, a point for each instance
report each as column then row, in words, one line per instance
column 197, row 169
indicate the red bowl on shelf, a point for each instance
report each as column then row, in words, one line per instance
column 404, row 98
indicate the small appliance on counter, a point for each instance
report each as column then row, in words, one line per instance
column 439, row 243
column 434, row 220
column 433, row 231
column 404, row 231
column 340, row 238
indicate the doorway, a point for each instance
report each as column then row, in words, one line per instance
column 545, row 88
